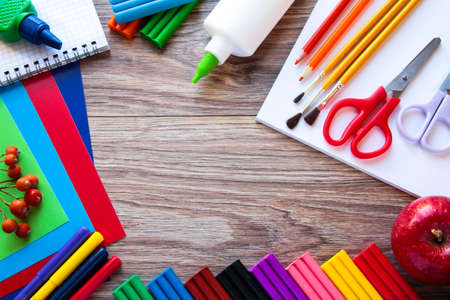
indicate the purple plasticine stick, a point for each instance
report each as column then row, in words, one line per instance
column 276, row 280
column 54, row 263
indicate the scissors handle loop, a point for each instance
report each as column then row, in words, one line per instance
column 364, row 108
column 380, row 120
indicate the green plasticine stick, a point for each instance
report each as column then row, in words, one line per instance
column 12, row 13
column 164, row 24
column 132, row 289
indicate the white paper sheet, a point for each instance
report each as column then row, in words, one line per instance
column 405, row 165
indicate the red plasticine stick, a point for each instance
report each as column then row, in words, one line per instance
column 384, row 277
column 97, row 280
column 55, row 116
column 204, row 286
column 323, row 28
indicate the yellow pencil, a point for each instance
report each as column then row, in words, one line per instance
column 69, row 266
column 364, row 57
column 349, row 46
column 351, row 57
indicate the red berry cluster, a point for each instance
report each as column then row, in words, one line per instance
column 20, row 206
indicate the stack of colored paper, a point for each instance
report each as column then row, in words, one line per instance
column 58, row 151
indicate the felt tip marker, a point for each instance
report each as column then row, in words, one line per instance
column 19, row 20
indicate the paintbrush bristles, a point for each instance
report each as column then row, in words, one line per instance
column 299, row 97
column 312, row 116
column 293, row 122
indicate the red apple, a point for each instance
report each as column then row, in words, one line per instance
column 420, row 239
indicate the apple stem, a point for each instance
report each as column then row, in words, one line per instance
column 438, row 234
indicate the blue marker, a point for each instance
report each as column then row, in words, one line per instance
column 18, row 19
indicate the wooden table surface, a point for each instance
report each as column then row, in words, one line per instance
column 196, row 181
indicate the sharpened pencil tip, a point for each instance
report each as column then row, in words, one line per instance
column 312, row 116
column 301, row 78
column 292, row 122
column 299, row 97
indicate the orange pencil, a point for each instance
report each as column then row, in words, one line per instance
column 334, row 37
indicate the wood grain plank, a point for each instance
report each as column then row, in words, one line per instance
column 137, row 79
column 208, row 190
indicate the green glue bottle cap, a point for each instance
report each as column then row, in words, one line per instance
column 208, row 63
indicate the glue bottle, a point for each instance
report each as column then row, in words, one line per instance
column 238, row 27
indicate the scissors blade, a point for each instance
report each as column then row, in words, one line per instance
column 399, row 84
column 445, row 87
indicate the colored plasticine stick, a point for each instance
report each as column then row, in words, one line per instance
column 54, row 263
column 128, row 30
column 348, row 278
column 322, row 30
column 132, row 289
column 167, row 286
column 312, row 280
column 204, row 286
column 18, row 19
column 337, row 34
column 383, row 275
column 97, row 280
column 48, row 102
column 130, row 10
column 276, row 280
column 69, row 266
column 81, row 275
column 163, row 25
column 240, row 283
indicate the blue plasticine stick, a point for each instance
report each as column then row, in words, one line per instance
column 130, row 10
column 167, row 286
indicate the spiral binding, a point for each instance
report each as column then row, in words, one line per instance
column 48, row 63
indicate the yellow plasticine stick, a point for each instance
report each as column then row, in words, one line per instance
column 69, row 266
column 350, row 281
column 371, row 37
column 358, row 36
column 356, row 66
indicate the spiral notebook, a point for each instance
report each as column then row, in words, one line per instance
column 74, row 22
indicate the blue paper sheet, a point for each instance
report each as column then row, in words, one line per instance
column 20, row 106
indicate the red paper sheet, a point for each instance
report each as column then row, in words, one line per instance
column 56, row 118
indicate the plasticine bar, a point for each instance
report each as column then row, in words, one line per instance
column 383, row 276
column 312, row 280
column 163, row 25
column 128, row 30
column 167, row 286
column 204, row 286
column 130, row 10
column 132, row 289
column 276, row 280
column 348, row 278
column 241, row 284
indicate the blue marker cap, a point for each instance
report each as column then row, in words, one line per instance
column 37, row 31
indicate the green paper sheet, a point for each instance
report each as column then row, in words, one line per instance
column 42, row 219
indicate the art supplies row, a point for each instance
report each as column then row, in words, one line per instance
column 366, row 54
column 74, row 272
column 369, row 275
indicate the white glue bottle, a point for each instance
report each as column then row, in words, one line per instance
column 238, row 27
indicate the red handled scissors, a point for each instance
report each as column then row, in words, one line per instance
column 361, row 124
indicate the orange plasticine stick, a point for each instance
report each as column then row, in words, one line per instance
column 128, row 30
column 337, row 34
